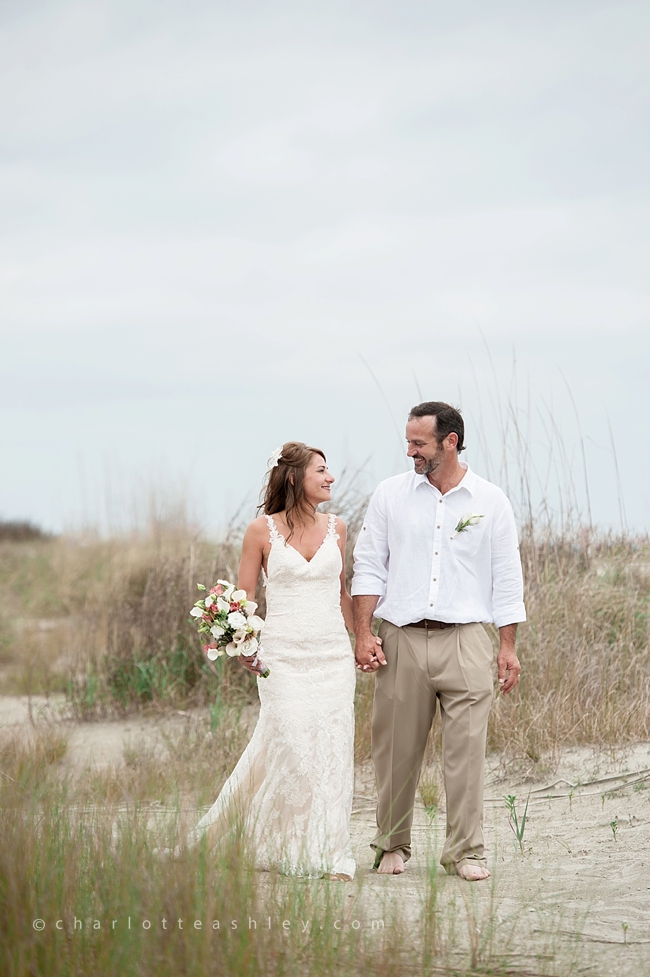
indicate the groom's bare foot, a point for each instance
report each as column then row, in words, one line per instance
column 473, row 873
column 391, row 863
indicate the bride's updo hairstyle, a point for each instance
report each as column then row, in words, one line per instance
column 284, row 491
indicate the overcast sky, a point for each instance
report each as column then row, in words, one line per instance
column 228, row 224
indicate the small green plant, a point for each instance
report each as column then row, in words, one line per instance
column 430, row 794
column 216, row 712
column 614, row 826
column 624, row 928
column 518, row 827
column 571, row 793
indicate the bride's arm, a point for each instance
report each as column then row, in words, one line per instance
column 252, row 555
column 346, row 600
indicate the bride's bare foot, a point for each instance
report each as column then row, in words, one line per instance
column 391, row 863
column 473, row 873
column 337, row 877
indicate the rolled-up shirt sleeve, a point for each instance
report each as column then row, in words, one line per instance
column 371, row 552
column 507, row 579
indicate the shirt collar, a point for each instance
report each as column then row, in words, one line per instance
column 468, row 481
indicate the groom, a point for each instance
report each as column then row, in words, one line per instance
column 437, row 555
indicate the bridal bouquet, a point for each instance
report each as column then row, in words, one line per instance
column 229, row 617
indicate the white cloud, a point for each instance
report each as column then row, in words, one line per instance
column 310, row 181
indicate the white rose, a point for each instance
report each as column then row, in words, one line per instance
column 214, row 653
column 238, row 595
column 223, row 605
column 255, row 622
column 217, row 631
column 232, row 649
column 237, row 620
column 251, row 607
column 196, row 612
column 249, row 647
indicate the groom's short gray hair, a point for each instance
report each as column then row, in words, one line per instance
column 448, row 420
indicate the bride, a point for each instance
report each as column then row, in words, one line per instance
column 293, row 784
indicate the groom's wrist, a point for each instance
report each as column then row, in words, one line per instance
column 363, row 634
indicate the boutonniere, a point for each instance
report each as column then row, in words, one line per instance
column 472, row 519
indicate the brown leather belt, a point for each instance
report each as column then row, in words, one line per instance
column 430, row 625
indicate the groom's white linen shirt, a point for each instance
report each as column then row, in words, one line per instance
column 408, row 556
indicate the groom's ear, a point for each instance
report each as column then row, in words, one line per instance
column 451, row 440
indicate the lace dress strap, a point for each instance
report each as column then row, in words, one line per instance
column 331, row 526
column 273, row 529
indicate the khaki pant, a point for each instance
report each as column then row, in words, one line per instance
column 452, row 666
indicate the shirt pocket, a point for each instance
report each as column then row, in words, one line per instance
column 466, row 545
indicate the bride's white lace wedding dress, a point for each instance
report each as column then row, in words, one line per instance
column 293, row 784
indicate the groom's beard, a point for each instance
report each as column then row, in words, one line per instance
column 430, row 465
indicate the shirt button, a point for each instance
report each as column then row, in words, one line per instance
column 437, row 527
column 435, row 579
column 436, row 553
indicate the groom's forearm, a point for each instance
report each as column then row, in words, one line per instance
column 367, row 647
column 508, row 636
column 363, row 608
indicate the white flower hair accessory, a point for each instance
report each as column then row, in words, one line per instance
column 275, row 458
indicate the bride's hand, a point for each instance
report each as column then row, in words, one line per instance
column 247, row 662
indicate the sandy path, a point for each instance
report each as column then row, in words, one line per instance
column 90, row 744
column 578, row 891
column 576, row 885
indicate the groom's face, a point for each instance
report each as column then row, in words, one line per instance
column 423, row 445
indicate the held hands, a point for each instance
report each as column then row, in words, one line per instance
column 368, row 652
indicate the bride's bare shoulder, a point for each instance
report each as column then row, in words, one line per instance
column 258, row 528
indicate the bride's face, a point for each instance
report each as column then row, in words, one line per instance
column 317, row 481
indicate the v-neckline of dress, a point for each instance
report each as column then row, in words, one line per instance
column 302, row 555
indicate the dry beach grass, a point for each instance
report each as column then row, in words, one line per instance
column 100, row 627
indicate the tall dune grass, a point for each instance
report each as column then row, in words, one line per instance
column 585, row 650
column 83, row 892
column 107, row 620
